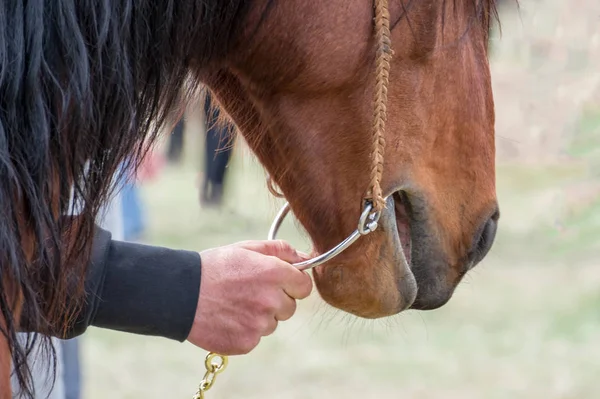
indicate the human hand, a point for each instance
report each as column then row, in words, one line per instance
column 245, row 290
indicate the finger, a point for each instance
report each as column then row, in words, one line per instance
column 287, row 310
column 270, row 328
column 297, row 284
column 278, row 248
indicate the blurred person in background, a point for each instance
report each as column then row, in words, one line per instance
column 175, row 145
column 217, row 153
column 41, row 371
column 132, row 205
column 218, row 146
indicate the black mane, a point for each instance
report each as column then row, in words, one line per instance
column 85, row 86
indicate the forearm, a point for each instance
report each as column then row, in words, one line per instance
column 140, row 289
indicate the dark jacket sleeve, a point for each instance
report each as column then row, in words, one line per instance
column 140, row 289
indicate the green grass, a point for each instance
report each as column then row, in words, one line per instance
column 522, row 325
column 586, row 140
column 578, row 237
column 583, row 232
column 542, row 216
column 517, row 179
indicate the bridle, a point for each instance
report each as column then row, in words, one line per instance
column 366, row 224
column 373, row 201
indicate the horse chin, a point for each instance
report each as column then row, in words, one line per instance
column 373, row 279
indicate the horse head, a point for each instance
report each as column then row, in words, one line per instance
column 301, row 90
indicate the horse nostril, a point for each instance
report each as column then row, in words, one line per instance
column 484, row 240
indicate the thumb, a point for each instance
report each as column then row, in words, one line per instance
column 278, row 248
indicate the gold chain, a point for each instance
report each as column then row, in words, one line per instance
column 213, row 368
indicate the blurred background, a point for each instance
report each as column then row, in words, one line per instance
column 524, row 324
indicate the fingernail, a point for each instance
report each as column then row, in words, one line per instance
column 303, row 255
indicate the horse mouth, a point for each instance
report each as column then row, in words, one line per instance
column 376, row 279
column 403, row 224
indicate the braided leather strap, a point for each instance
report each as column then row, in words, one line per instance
column 382, row 73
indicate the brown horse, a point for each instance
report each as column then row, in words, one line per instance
column 303, row 99
column 88, row 86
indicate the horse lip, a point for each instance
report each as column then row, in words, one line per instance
column 406, row 281
column 390, row 210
